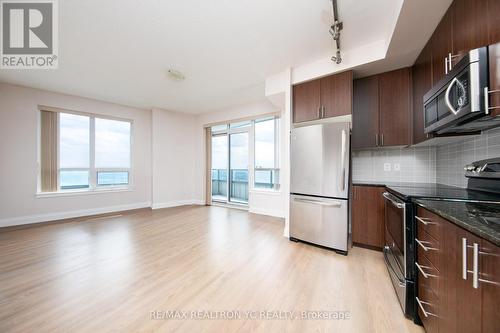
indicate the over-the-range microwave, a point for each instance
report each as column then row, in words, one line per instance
column 458, row 103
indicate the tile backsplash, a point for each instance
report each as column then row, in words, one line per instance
column 442, row 164
column 414, row 165
column 452, row 158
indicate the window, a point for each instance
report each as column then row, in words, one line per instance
column 74, row 151
column 266, row 153
column 90, row 151
column 112, row 151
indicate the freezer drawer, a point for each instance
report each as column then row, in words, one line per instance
column 319, row 221
column 320, row 160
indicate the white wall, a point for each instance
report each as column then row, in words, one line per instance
column 259, row 201
column 175, row 160
column 18, row 168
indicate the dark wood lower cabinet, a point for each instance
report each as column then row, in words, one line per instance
column 451, row 300
column 461, row 306
column 489, row 268
column 368, row 216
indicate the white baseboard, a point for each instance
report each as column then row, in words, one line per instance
column 266, row 211
column 177, row 203
column 12, row 221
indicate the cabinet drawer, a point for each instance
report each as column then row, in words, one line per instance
column 429, row 222
column 428, row 309
column 428, row 247
column 428, row 275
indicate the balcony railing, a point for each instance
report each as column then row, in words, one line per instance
column 264, row 178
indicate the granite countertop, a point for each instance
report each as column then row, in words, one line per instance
column 482, row 219
column 412, row 191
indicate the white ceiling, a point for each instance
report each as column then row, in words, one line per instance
column 119, row 51
column 416, row 22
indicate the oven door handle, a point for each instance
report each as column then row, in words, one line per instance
column 401, row 282
column 388, row 196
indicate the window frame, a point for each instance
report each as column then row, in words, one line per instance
column 93, row 186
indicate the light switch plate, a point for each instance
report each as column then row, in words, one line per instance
column 397, row 167
column 387, row 166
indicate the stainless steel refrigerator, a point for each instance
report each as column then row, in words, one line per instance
column 319, row 191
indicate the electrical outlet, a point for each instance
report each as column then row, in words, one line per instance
column 387, row 166
column 397, row 167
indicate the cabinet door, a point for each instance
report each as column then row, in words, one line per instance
column 306, row 101
column 422, row 82
column 336, row 94
column 494, row 62
column 441, row 42
column 493, row 21
column 368, row 215
column 365, row 115
column 470, row 26
column 489, row 268
column 394, row 94
column 461, row 303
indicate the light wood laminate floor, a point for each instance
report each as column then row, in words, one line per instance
column 109, row 274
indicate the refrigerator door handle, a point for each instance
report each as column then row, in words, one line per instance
column 344, row 149
column 317, row 202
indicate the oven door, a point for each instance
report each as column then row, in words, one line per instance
column 395, row 221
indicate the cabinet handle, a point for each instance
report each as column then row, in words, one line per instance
column 487, row 106
column 446, row 65
column 424, row 221
column 382, row 139
column 376, row 140
column 475, row 266
column 322, row 112
column 421, row 305
column 319, row 112
column 464, row 258
column 421, row 269
column 450, row 62
column 425, row 248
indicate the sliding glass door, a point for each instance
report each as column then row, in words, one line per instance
column 230, row 163
column 238, row 151
column 220, row 164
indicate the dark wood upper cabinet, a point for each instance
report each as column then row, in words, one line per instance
column 330, row 96
column 441, row 44
column 493, row 21
column 469, row 27
column 382, row 110
column 336, row 95
column 306, row 101
column 395, row 109
column 365, row 116
column 494, row 62
column 422, row 82
column 368, row 216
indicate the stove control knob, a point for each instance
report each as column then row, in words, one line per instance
column 469, row 168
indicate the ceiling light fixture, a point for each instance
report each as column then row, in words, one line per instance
column 335, row 32
column 175, row 75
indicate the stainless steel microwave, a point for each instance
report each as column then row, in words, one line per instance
column 458, row 102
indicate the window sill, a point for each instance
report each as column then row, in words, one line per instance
column 71, row 193
column 265, row 191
